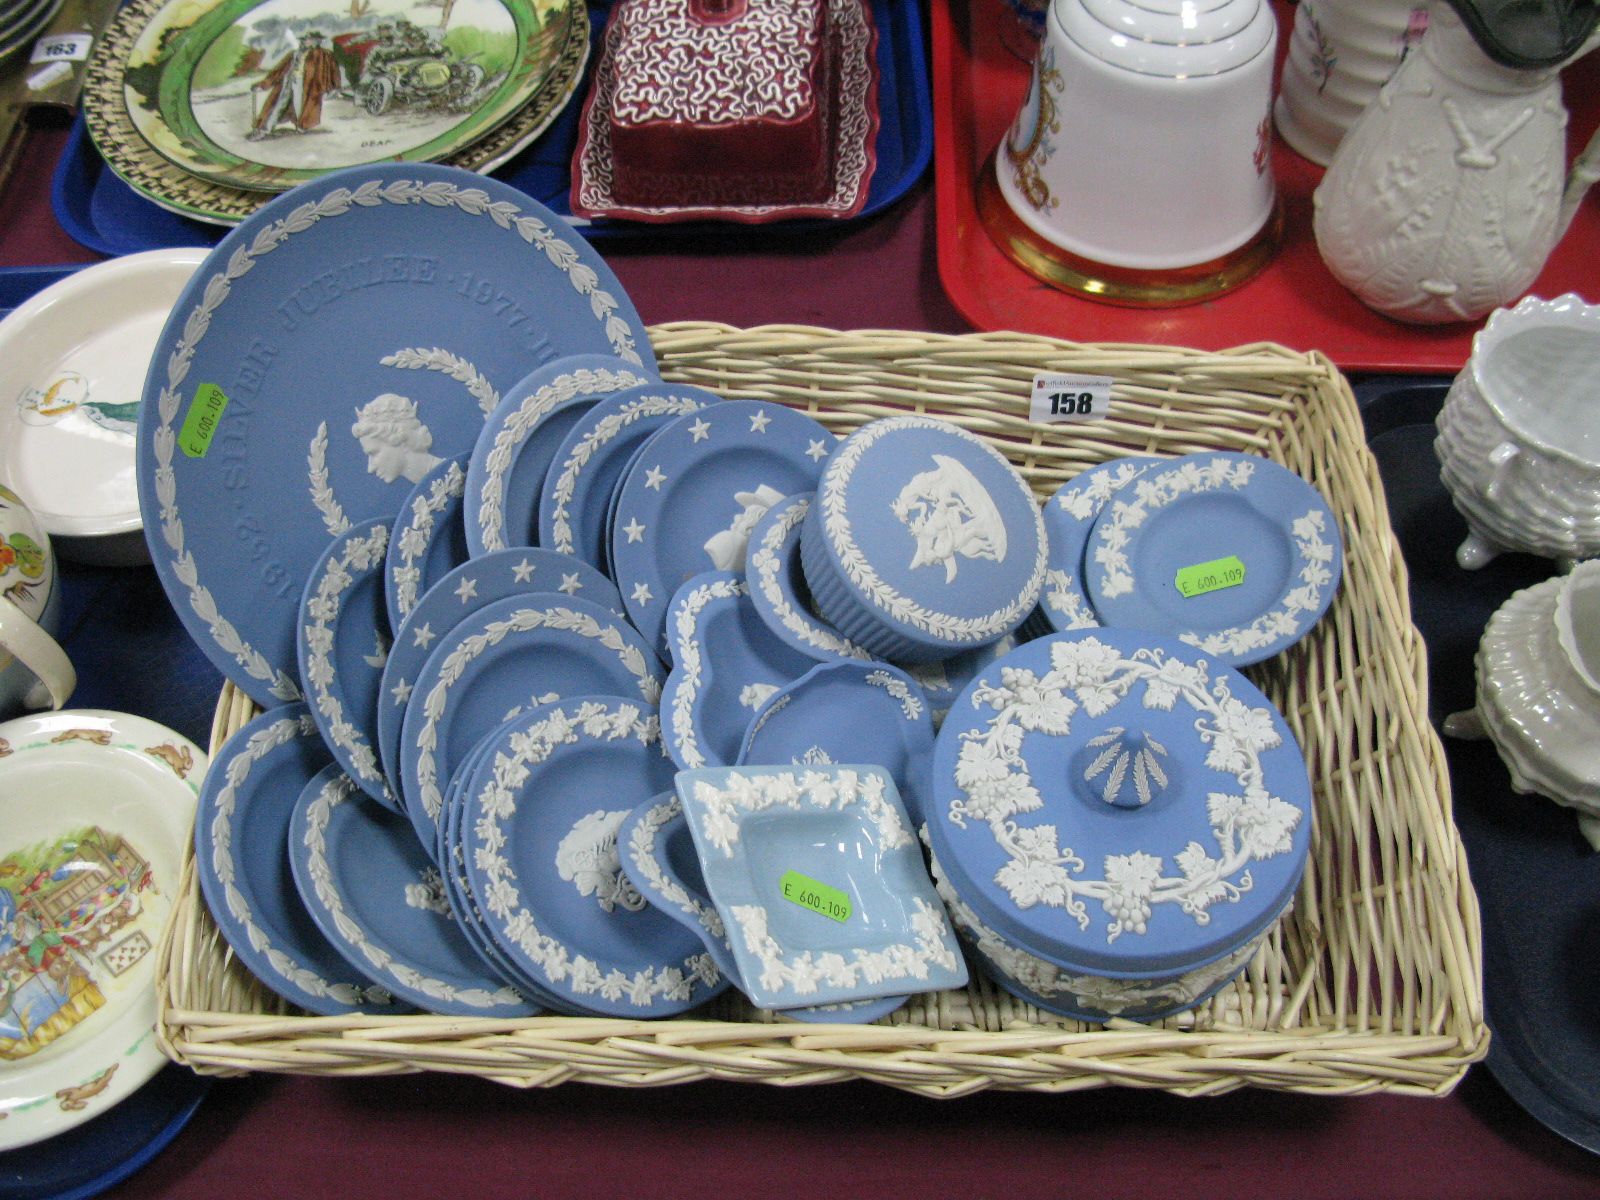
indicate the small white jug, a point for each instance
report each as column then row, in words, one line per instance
column 1448, row 194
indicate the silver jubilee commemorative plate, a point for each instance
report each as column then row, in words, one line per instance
column 330, row 351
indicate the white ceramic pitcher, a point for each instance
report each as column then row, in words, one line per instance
column 1449, row 192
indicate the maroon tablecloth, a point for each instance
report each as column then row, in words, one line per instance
column 439, row 1136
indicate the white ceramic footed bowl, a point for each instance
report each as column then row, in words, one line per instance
column 1519, row 434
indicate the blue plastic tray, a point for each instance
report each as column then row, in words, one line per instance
column 101, row 212
column 1536, row 878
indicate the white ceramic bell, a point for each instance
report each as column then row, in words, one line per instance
column 1449, row 192
column 1519, row 433
column 1538, row 697
column 1142, row 148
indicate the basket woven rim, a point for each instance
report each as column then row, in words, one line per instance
column 1381, row 1035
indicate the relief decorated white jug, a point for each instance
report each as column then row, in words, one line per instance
column 1447, row 195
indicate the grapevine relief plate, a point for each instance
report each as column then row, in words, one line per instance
column 539, row 826
column 1258, row 547
column 380, row 900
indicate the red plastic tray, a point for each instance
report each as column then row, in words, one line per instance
column 978, row 83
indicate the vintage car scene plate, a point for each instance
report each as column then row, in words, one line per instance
column 96, row 809
column 265, row 94
column 328, row 354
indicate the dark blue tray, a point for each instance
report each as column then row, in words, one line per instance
column 101, row 212
column 1538, row 883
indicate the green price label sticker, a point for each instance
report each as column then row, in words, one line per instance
column 1210, row 576
column 205, row 414
column 818, row 897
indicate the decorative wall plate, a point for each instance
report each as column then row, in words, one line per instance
column 658, row 855
column 342, row 640
column 725, row 664
column 688, row 505
column 96, row 808
column 158, row 179
column 1116, row 804
column 505, row 659
column 265, row 94
column 72, row 364
column 588, row 465
column 241, row 837
column 505, row 474
column 539, row 826
column 428, row 539
column 380, row 900
column 821, row 883
column 854, row 132
column 848, row 712
column 1069, row 515
column 475, row 584
column 1216, row 516
column 442, row 287
column 923, row 541
column 777, row 584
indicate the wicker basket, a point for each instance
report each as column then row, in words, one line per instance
column 1372, row 983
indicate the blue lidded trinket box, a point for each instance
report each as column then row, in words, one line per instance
column 923, row 541
column 1116, row 822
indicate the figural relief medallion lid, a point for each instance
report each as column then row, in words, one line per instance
column 923, row 541
column 1117, row 803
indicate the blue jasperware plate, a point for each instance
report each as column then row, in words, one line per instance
column 849, row 712
column 1210, row 508
column 460, row 593
column 772, row 838
column 688, row 504
column 725, row 664
column 1068, row 517
column 325, row 356
column 658, row 855
column 539, row 826
column 589, row 463
column 342, row 640
column 380, row 901
column 1117, row 804
column 428, row 538
column 923, row 541
column 452, row 859
column 241, row 855
column 505, row 474
column 509, row 657
column 778, row 586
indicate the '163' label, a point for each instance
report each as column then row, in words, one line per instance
column 815, row 895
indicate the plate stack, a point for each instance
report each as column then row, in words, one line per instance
column 210, row 109
column 21, row 21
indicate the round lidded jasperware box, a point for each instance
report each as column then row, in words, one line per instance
column 1116, row 822
column 923, row 541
